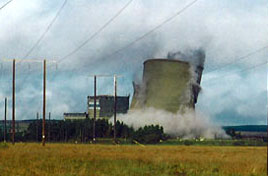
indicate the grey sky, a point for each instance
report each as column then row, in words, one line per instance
column 225, row 29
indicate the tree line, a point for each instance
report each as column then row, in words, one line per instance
column 81, row 131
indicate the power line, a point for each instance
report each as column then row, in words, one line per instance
column 97, row 32
column 154, row 29
column 243, row 70
column 45, row 32
column 94, row 35
column 238, row 59
column 41, row 37
column 149, row 32
column 28, row 73
column 5, row 4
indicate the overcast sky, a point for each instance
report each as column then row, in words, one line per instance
column 232, row 94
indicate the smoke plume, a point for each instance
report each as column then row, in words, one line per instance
column 187, row 125
column 194, row 57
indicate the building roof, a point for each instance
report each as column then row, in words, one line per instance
column 165, row 60
column 75, row 114
column 100, row 96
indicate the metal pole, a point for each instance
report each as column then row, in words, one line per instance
column 95, row 99
column 115, row 102
column 44, row 106
column 5, row 121
column 37, row 124
column 13, row 102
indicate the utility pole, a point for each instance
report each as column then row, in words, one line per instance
column 13, row 101
column 5, row 121
column 48, row 134
column 44, row 98
column 37, row 124
column 115, row 103
column 95, row 101
column 44, row 106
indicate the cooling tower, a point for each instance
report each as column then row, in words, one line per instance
column 166, row 85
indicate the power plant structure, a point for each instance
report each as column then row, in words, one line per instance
column 171, row 84
column 105, row 106
column 168, row 84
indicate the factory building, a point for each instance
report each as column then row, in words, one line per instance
column 167, row 84
column 105, row 105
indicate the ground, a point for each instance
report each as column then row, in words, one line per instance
column 131, row 160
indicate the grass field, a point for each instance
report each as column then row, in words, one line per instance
column 101, row 160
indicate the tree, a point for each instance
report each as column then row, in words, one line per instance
column 151, row 134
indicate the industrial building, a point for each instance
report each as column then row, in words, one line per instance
column 105, row 105
column 168, row 84
column 74, row 116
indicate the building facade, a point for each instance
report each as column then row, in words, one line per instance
column 105, row 106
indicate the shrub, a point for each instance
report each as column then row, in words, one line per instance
column 239, row 143
column 149, row 134
column 188, row 142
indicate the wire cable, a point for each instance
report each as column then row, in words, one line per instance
column 147, row 33
column 5, row 4
column 41, row 37
column 238, row 59
column 45, row 32
column 93, row 35
column 96, row 33
column 154, row 29
column 231, row 73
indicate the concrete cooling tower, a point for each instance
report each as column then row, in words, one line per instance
column 167, row 84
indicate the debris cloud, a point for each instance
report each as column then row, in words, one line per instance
column 189, row 124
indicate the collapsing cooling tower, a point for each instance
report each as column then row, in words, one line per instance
column 168, row 84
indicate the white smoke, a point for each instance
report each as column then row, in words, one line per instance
column 190, row 124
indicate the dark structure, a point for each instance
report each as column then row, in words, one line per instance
column 105, row 105
column 21, row 125
column 196, row 86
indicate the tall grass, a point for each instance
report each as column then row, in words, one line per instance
column 101, row 160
